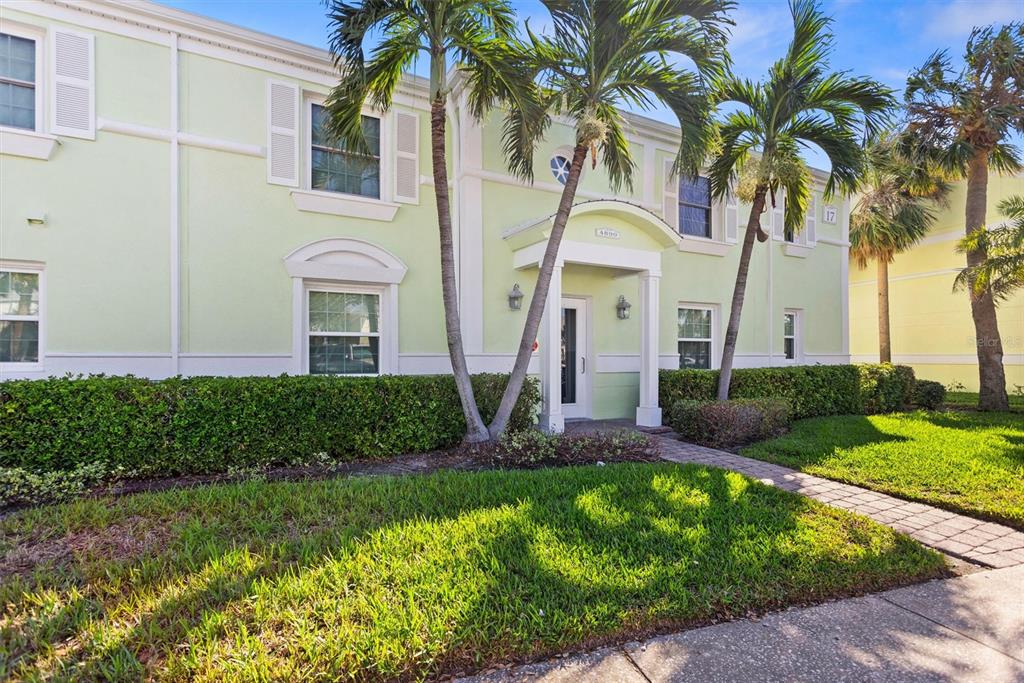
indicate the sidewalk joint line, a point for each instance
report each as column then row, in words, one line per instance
column 635, row 665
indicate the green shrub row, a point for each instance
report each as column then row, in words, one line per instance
column 201, row 425
column 929, row 394
column 811, row 390
column 722, row 424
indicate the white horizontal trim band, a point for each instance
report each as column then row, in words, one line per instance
column 190, row 139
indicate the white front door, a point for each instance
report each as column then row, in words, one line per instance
column 577, row 368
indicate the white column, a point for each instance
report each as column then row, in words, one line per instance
column 648, row 414
column 551, row 418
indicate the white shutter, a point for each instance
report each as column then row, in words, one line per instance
column 811, row 226
column 282, row 133
column 670, row 198
column 778, row 215
column 73, row 74
column 732, row 217
column 407, row 164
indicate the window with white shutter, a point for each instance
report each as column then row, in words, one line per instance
column 670, row 197
column 732, row 217
column 73, row 78
column 811, row 226
column 778, row 213
column 407, row 164
column 282, row 133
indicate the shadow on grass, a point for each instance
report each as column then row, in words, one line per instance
column 405, row 577
column 814, row 440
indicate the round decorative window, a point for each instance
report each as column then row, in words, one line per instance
column 560, row 168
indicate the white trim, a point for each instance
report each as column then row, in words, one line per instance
column 39, row 269
column 555, row 188
column 912, row 276
column 440, row 363
column 188, row 139
column 19, row 142
column 585, row 253
column 648, row 413
column 938, row 358
column 716, row 332
column 338, row 204
column 703, row 245
column 796, row 250
column 584, row 405
column 175, row 210
column 832, row 242
column 37, row 35
column 386, row 363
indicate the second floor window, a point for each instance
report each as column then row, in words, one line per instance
column 336, row 169
column 695, row 207
column 17, row 82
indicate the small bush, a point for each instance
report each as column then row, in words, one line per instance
column 206, row 425
column 20, row 487
column 531, row 448
column 929, row 394
column 885, row 388
column 723, row 424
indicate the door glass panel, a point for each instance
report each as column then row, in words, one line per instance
column 569, row 355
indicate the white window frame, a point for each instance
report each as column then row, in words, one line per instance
column 37, row 35
column 797, row 337
column 715, row 336
column 386, row 154
column 31, row 268
column 383, row 312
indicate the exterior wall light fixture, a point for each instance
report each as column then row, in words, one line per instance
column 622, row 308
column 515, row 298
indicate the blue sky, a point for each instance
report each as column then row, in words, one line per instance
column 880, row 38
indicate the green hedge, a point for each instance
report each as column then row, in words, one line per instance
column 214, row 424
column 811, row 390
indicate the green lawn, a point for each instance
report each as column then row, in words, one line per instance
column 965, row 461
column 410, row 576
column 970, row 400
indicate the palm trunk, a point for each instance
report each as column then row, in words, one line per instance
column 991, row 376
column 884, row 339
column 539, row 298
column 476, row 431
column 738, row 292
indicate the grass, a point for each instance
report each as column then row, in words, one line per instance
column 407, row 577
column 969, row 399
column 968, row 462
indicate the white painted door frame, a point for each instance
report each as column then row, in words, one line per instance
column 583, row 407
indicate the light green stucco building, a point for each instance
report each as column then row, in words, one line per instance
column 168, row 207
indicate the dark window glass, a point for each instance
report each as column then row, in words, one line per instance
column 568, row 355
column 695, row 354
column 335, row 169
column 344, row 355
column 695, row 206
column 17, row 82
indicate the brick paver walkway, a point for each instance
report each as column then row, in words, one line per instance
column 986, row 543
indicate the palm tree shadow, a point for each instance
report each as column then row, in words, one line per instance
column 818, row 439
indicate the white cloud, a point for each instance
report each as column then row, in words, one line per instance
column 958, row 17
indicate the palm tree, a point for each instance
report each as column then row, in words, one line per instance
column 965, row 118
column 1002, row 271
column 892, row 214
column 603, row 55
column 479, row 36
column 800, row 105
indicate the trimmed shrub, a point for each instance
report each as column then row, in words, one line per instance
column 929, row 394
column 722, row 424
column 811, row 390
column 532, row 448
column 19, row 487
column 885, row 388
column 201, row 425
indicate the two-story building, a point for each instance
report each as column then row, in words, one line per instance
column 169, row 206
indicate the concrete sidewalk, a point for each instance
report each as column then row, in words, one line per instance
column 969, row 628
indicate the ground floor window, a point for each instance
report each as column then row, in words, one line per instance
column 19, row 317
column 343, row 333
column 790, row 330
column 694, row 336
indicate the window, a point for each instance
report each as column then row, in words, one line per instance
column 19, row 317
column 17, row 82
column 336, row 169
column 560, row 168
column 344, row 333
column 695, row 206
column 695, row 337
column 790, row 329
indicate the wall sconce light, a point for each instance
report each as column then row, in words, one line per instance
column 622, row 308
column 515, row 298
column 36, row 219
